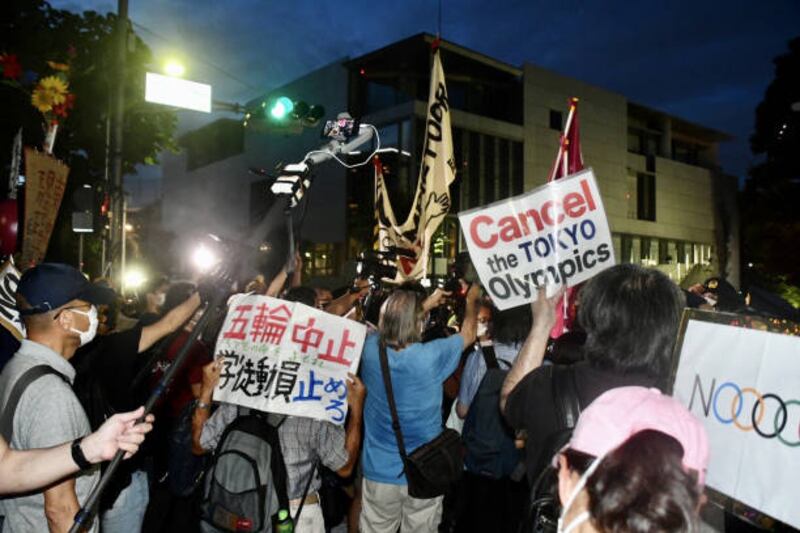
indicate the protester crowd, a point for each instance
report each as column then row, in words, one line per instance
column 566, row 434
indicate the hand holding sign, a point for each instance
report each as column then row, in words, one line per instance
column 544, row 309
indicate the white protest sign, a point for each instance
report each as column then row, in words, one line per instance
column 556, row 234
column 744, row 385
column 288, row 358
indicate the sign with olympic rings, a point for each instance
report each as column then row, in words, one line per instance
column 743, row 382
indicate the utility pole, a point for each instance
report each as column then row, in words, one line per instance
column 118, row 112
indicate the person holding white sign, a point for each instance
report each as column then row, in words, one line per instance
column 631, row 316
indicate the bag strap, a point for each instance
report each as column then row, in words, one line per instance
column 565, row 396
column 22, row 383
column 489, row 356
column 305, row 493
column 387, row 382
column 278, row 467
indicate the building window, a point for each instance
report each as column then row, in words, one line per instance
column 626, row 249
column 630, row 194
column 645, row 196
column 556, row 120
column 503, row 177
column 474, row 169
column 489, row 176
column 517, row 169
column 318, row 260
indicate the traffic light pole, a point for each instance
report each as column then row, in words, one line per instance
column 118, row 113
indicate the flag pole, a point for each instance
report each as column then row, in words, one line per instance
column 573, row 104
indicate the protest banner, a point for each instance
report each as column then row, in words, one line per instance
column 432, row 198
column 555, row 235
column 9, row 314
column 740, row 376
column 45, row 181
column 288, row 358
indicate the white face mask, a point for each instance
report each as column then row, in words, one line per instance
column 89, row 334
column 483, row 329
column 584, row 516
column 160, row 299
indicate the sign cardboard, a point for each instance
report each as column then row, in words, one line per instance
column 45, row 181
column 743, row 382
column 288, row 358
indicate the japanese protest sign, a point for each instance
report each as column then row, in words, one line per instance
column 288, row 358
column 45, row 181
column 9, row 314
column 556, row 234
column 742, row 381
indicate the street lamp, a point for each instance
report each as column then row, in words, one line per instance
column 174, row 68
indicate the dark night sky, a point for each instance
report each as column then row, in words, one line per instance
column 708, row 62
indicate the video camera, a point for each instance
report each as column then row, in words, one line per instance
column 375, row 265
column 460, row 269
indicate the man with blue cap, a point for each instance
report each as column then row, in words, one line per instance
column 59, row 308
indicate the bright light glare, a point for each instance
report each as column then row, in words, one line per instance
column 174, row 68
column 282, row 107
column 176, row 92
column 204, row 259
column 133, row 278
column 128, row 227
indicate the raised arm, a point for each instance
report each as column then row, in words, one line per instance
column 202, row 410
column 469, row 326
column 169, row 322
column 532, row 353
column 356, row 392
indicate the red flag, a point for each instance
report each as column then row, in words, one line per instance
column 569, row 160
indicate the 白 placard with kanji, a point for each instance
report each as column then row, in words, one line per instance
column 286, row 357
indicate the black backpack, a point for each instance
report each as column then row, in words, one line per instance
column 246, row 480
column 488, row 440
column 544, row 507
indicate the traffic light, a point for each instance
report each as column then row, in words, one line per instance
column 286, row 111
column 281, row 108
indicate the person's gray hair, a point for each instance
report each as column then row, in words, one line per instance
column 401, row 319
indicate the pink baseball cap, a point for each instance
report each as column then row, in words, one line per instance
column 619, row 413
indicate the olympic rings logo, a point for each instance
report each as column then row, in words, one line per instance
column 733, row 412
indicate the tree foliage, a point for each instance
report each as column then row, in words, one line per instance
column 38, row 33
column 771, row 225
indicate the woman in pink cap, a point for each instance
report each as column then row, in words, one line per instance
column 636, row 462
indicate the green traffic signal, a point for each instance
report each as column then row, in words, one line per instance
column 284, row 111
column 281, row 108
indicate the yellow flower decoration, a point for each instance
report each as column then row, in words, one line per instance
column 62, row 67
column 51, row 91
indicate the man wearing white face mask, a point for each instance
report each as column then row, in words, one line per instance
column 58, row 306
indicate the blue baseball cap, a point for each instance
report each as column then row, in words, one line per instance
column 48, row 286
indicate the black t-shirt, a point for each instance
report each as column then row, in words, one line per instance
column 530, row 406
column 105, row 370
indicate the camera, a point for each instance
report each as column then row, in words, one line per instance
column 341, row 129
column 376, row 265
column 460, row 269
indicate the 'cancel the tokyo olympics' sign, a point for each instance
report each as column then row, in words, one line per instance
column 555, row 235
column 744, row 385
